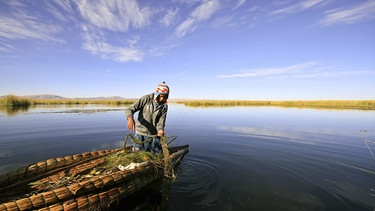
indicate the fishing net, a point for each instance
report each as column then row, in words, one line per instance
column 164, row 142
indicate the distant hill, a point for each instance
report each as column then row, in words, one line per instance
column 45, row 97
column 102, row 98
column 53, row 97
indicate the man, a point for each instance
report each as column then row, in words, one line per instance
column 151, row 119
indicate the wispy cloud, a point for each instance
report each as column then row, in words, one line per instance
column 298, row 7
column 160, row 49
column 21, row 25
column 304, row 70
column 239, row 4
column 361, row 12
column 94, row 43
column 201, row 13
column 269, row 71
column 169, row 17
column 107, row 28
column 6, row 48
column 61, row 10
column 115, row 15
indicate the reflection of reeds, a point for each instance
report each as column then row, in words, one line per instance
column 13, row 105
column 322, row 104
column 13, row 110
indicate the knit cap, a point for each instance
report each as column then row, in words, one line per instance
column 162, row 89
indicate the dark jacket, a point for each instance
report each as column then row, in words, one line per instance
column 151, row 116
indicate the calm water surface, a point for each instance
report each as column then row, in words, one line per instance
column 240, row 158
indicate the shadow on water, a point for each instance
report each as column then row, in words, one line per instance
column 195, row 179
column 152, row 197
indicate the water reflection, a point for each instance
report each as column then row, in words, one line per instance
column 240, row 158
column 14, row 110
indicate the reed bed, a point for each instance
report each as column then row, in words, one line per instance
column 14, row 101
column 320, row 104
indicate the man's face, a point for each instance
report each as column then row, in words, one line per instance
column 161, row 99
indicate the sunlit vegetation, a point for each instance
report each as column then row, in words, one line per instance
column 15, row 101
column 124, row 158
column 323, row 104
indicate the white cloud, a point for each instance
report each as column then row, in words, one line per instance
column 119, row 54
column 96, row 44
column 270, row 71
column 169, row 18
column 201, row 13
column 239, row 4
column 298, row 7
column 103, row 18
column 304, row 70
column 361, row 12
column 115, row 15
column 62, row 10
column 161, row 49
column 21, row 25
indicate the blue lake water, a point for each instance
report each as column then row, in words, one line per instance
column 240, row 158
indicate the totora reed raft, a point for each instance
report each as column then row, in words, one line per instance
column 65, row 183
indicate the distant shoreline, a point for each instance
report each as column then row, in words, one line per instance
column 319, row 104
column 14, row 101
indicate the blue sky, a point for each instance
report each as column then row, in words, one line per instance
column 203, row 49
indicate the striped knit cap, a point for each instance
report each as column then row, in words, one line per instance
column 162, row 89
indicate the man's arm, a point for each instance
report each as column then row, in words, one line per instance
column 129, row 112
column 161, row 123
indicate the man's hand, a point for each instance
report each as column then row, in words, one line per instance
column 131, row 123
column 161, row 133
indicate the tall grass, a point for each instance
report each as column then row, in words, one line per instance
column 12, row 100
column 15, row 101
column 323, row 104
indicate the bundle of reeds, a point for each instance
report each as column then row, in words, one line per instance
column 97, row 191
column 47, row 166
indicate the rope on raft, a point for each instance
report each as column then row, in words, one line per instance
column 168, row 166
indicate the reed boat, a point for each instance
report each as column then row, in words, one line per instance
column 48, row 185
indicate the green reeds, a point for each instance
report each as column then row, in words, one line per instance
column 12, row 100
column 15, row 101
column 319, row 104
